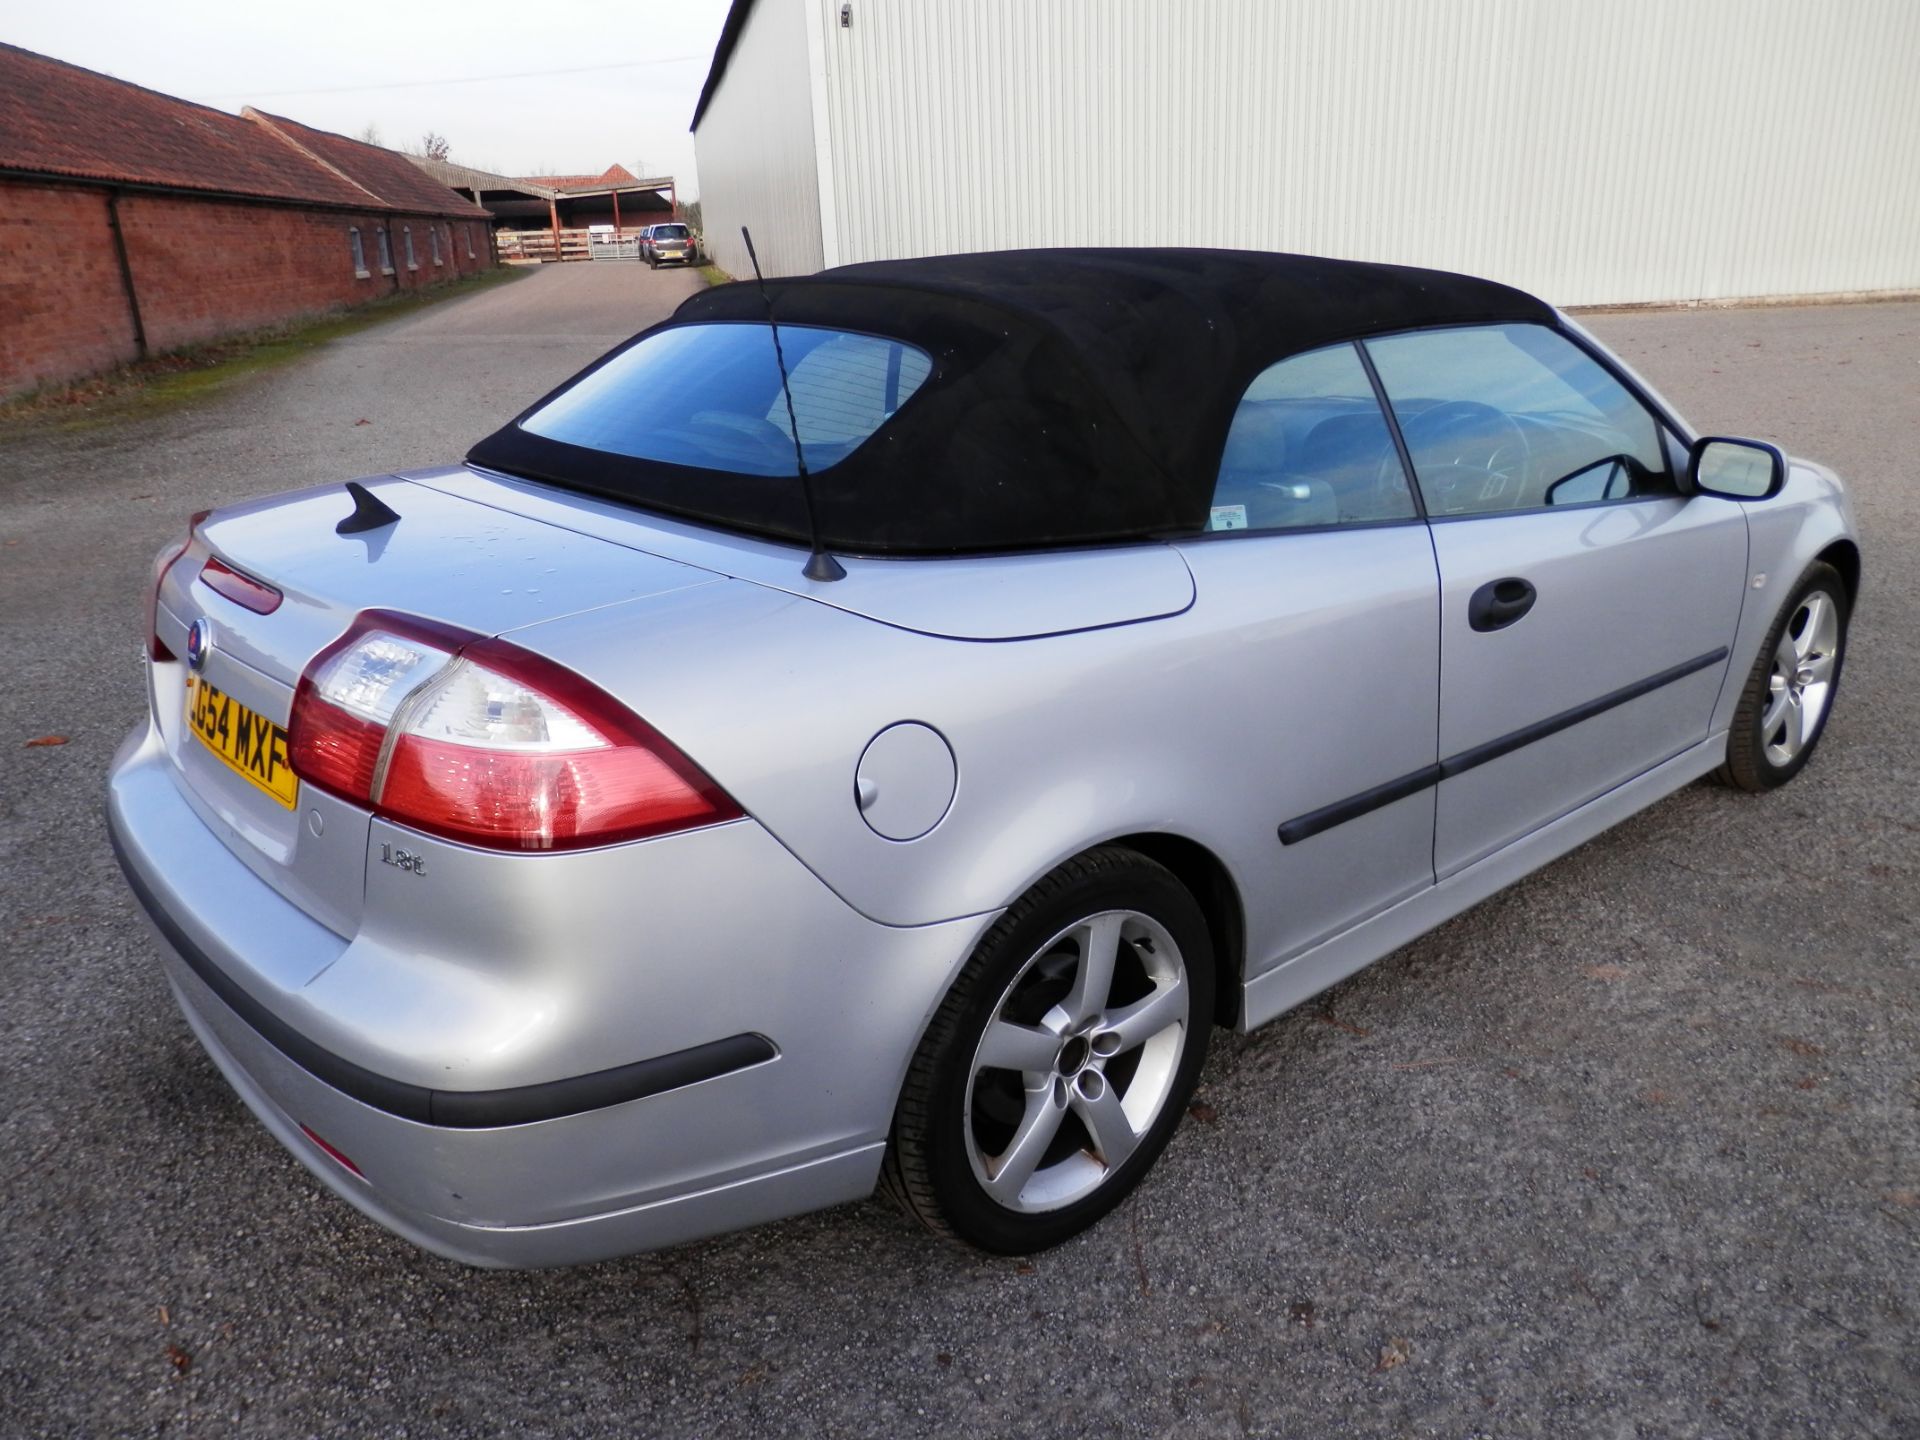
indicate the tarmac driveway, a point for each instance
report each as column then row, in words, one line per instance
column 1632, row 1149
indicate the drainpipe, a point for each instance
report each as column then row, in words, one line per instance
column 616, row 216
column 126, row 274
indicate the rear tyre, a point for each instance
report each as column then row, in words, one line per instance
column 1789, row 694
column 1057, row 1067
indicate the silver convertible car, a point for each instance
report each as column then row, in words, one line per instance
column 871, row 728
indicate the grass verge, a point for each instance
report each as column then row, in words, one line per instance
column 714, row 275
column 195, row 371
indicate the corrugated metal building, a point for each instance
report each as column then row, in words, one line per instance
column 1622, row 150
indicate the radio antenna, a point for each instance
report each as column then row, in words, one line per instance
column 820, row 565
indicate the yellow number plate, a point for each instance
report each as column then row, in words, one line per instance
column 252, row 746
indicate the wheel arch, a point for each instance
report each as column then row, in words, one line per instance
column 1211, row 884
column 1844, row 556
column 1195, row 866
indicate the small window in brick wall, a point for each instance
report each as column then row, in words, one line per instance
column 469, row 230
column 359, row 252
column 406, row 243
column 386, row 251
column 433, row 233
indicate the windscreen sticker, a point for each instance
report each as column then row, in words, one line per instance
column 1227, row 517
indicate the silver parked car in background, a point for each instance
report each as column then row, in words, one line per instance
column 872, row 728
column 668, row 243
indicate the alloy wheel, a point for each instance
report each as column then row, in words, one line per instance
column 1077, row 1062
column 1801, row 681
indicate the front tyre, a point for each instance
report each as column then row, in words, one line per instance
column 1789, row 694
column 1057, row 1067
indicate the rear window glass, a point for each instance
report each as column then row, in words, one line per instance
column 708, row 396
column 669, row 232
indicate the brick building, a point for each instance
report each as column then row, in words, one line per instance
column 133, row 223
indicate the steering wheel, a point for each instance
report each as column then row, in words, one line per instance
column 1470, row 456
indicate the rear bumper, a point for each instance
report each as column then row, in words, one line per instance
column 276, row 1090
column 776, row 1099
column 448, row 1109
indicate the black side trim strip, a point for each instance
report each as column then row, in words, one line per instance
column 1353, row 807
column 451, row 1109
column 1566, row 719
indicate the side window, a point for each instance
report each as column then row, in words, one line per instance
column 469, row 232
column 359, row 252
column 1309, row 446
column 1516, row 417
column 433, row 235
column 386, row 251
column 406, row 243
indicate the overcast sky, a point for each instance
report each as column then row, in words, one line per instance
column 637, row 70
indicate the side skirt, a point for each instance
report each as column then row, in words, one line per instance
column 1328, row 963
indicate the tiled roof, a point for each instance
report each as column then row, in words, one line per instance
column 386, row 174
column 465, row 177
column 614, row 176
column 58, row 119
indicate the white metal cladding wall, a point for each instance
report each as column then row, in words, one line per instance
column 1607, row 151
column 755, row 149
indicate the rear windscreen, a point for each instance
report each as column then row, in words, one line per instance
column 669, row 232
column 708, row 396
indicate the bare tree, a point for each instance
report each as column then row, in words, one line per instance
column 434, row 146
column 371, row 134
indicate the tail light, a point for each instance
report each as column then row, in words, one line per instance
column 482, row 742
column 162, row 563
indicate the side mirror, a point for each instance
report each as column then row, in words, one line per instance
column 1736, row 469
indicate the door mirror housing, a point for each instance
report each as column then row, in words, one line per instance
column 1736, row 469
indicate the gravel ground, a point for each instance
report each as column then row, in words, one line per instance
column 1632, row 1149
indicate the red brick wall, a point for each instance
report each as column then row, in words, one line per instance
column 202, row 269
column 63, row 311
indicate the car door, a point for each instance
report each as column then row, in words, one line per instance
column 1317, row 578
column 1586, row 604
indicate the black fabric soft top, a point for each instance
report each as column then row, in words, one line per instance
column 1076, row 396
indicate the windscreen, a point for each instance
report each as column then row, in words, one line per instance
column 708, row 396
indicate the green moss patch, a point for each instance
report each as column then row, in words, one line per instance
column 186, row 375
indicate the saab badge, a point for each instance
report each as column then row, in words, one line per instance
column 199, row 644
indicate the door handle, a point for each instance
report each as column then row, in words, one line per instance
column 1498, row 603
